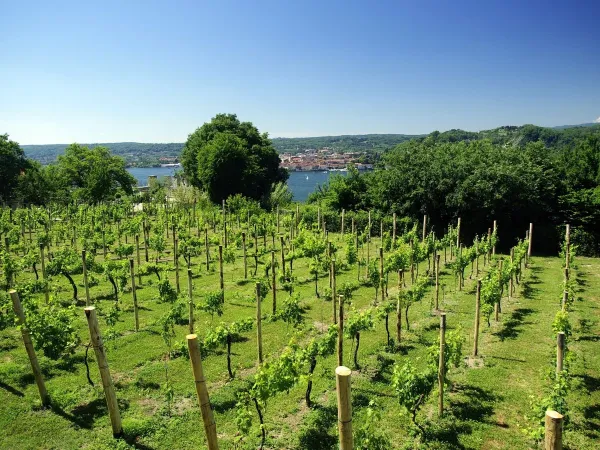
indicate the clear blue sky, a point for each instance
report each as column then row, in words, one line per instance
column 148, row 71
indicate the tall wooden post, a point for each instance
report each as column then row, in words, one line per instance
column 134, row 294
column 176, row 258
column 333, row 291
column 495, row 229
column 560, row 352
column 394, row 229
column 258, row 324
column 35, row 366
column 565, row 299
column 498, row 307
column 281, row 243
column 221, row 282
column 344, row 402
column 553, row 431
column 340, row 340
column 206, row 248
column 530, row 241
column 107, row 383
column 85, row 279
column 342, row 227
column 424, row 227
column 399, row 309
column 476, row 330
column 245, row 256
column 277, row 219
column 210, row 427
column 441, row 368
column 190, row 300
column 567, row 246
column 458, row 233
column 437, row 282
column 139, row 262
column 273, row 281
column 224, row 224
column 44, row 276
column 381, row 272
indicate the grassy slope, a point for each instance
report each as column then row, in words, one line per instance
column 486, row 406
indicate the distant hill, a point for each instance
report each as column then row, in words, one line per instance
column 147, row 154
column 345, row 143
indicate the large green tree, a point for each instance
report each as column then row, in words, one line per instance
column 13, row 164
column 92, row 175
column 225, row 157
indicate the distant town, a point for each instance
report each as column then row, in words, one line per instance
column 323, row 159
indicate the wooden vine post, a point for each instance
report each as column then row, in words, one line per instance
column 394, row 229
column 282, row 254
column 424, row 227
column 245, row 256
column 342, row 227
column 176, row 257
column 567, row 245
column 477, row 314
column 206, row 248
column 333, row 291
column 441, row 367
column 221, row 282
column 399, row 309
column 85, row 279
column 35, row 366
column 553, row 431
column 107, row 383
column 560, row 352
column 381, row 272
column 437, row 283
column 44, row 275
column 498, row 305
column 258, row 324
column 565, row 299
column 210, row 427
column 494, row 246
column 458, row 233
column 530, row 241
column 344, row 402
column 137, row 251
column 273, row 282
column 511, row 285
column 134, row 294
column 340, row 340
column 190, row 300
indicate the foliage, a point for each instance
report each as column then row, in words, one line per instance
column 52, row 328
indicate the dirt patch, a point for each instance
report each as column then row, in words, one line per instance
column 183, row 405
column 149, row 405
column 474, row 362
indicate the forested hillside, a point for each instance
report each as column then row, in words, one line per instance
column 515, row 175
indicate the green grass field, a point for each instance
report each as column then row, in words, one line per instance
column 487, row 405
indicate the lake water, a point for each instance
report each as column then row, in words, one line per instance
column 301, row 183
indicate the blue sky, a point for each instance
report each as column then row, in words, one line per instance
column 154, row 71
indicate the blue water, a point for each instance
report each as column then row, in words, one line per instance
column 301, row 183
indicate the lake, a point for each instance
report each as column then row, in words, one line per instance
column 301, row 183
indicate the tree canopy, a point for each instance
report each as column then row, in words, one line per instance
column 93, row 175
column 225, row 157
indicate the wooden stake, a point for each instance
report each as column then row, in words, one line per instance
column 394, row 229
column 44, row 276
column 137, row 250
column 282, row 254
column 565, row 299
column 344, row 402
column 244, row 252
column 210, row 427
column 399, row 309
column 476, row 331
column 206, row 248
column 458, row 233
column 530, row 240
column 381, row 272
column 191, row 301
column 437, row 283
column 424, row 227
column 221, row 282
column 273, row 281
column 333, row 291
column 560, row 352
column 258, row 324
column 134, row 293
column 107, row 383
column 567, row 245
column 343, row 212
column 495, row 228
column 176, row 258
column 35, row 366
column 85, row 279
column 340, row 341
column 554, row 429
column 441, row 367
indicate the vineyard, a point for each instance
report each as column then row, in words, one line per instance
column 189, row 326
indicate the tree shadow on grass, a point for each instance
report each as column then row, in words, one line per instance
column 11, row 389
column 512, row 327
column 316, row 433
column 592, row 420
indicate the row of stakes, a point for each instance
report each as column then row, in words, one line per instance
column 553, row 419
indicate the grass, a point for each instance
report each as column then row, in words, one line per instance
column 487, row 404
